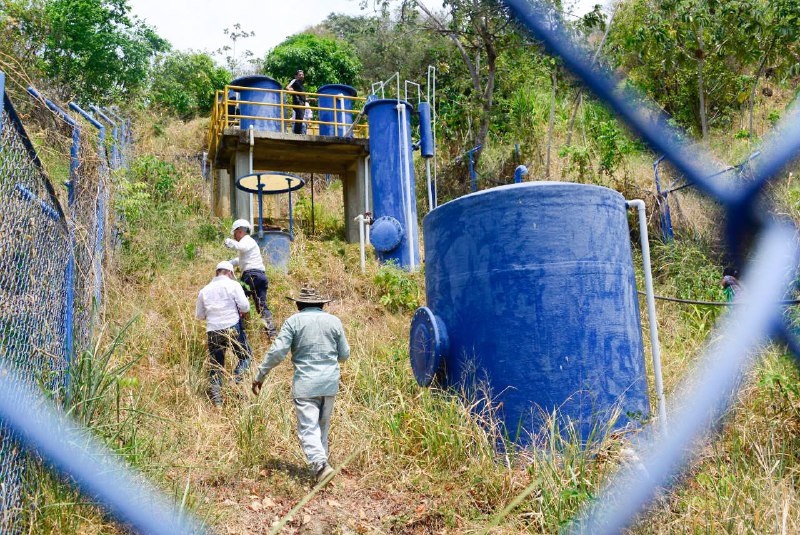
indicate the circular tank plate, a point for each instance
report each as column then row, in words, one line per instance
column 427, row 345
column 269, row 182
column 386, row 233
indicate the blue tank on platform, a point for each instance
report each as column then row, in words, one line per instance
column 394, row 232
column 344, row 118
column 532, row 305
column 255, row 103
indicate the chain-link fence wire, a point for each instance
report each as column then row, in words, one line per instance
column 51, row 269
column 35, row 263
column 768, row 275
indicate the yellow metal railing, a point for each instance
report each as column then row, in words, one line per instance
column 226, row 113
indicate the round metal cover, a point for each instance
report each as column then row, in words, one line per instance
column 269, row 182
column 428, row 344
column 386, row 233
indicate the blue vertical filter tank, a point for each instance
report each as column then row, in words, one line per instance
column 532, row 305
column 344, row 118
column 255, row 103
column 394, row 232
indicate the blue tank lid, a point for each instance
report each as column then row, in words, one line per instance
column 341, row 88
column 382, row 101
column 253, row 79
column 386, row 233
column 428, row 344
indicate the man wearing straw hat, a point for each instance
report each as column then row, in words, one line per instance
column 318, row 345
column 222, row 303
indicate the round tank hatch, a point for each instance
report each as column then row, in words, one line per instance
column 386, row 233
column 428, row 344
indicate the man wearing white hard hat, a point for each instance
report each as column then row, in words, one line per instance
column 222, row 303
column 253, row 273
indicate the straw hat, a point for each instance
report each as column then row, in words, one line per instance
column 309, row 295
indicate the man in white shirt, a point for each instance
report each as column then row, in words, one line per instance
column 222, row 304
column 253, row 272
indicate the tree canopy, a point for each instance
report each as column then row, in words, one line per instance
column 96, row 51
column 324, row 60
column 184, row 83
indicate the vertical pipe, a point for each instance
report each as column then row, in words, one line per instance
column 313, row 215
column 473, row 178
column 651, row 311
column 250, row 171
column 260, row 210
column 2, row 98
column 409, row 194
column 291, row 219
column 361, row 240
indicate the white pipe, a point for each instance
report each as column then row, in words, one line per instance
column 651, row 310
column 250, row 204
column 401, row 109
column 361, row 240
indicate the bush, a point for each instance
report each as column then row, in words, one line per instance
column 399, row 289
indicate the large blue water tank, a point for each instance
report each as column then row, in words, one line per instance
column 394, row 233
column 255, row 102
column 344, row 118
column 532, row 302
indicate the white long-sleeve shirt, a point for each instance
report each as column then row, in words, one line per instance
column 249, row 253
column 220, row 302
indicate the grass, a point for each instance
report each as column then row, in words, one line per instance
column 412, row 460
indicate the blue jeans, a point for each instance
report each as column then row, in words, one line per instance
column 256, row 280
column 218, row 343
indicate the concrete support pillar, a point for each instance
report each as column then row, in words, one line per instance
column 222, row 193
column 243, row 208
column 353, row 189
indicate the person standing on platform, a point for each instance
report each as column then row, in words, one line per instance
column 299, row 100
column 254, row 275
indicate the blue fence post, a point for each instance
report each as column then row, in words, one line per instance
column 114, row 136
column 69, row 304
column 100, row 209
column 664, row 217
column 3, row 97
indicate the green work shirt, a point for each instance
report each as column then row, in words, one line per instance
column 318, row 345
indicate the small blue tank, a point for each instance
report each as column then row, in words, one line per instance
column 532, row 304
column 257, row 103
column 343, row 119
column 276, row 245
column 394, row 232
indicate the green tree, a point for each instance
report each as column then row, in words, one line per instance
column 96, row 51
column 325, row 60
column 184, row 83
column 23, row 32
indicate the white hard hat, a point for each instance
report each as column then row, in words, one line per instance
column 241, row 223
column 225, row 265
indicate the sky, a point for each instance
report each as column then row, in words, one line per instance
column 199, row 24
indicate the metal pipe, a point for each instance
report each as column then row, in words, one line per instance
column 291, row 219
column 408, row 193
column 251, row 139
column 651, row 310
column 361, row 240
column 114, row 134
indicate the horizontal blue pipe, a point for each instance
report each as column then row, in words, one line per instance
column 86, row 115
column 47, row 210
column 94, row 469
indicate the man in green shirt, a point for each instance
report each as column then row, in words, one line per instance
column 318, row 344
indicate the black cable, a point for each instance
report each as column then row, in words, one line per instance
column 789, row 302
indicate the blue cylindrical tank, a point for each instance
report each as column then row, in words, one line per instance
column 425, row 130
column 532, row 304
column 394, row 233
column 255, row 103
column 276, row 247
column 344, row 118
